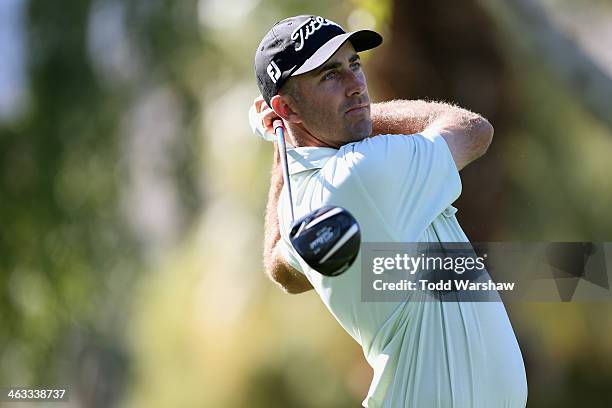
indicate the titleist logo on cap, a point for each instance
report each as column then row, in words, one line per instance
column 307, row 28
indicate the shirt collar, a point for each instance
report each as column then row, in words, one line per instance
column 308, row 158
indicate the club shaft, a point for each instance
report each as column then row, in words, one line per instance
column 282, row 150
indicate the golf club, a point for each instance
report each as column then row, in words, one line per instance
column 327, row 238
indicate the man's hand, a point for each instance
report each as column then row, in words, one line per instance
column 261, row 117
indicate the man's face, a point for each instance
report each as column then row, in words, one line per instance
column 333, row 101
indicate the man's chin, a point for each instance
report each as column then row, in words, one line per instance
column 361, row 130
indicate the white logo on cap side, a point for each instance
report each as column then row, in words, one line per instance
column 273, row 71
column 309, row 27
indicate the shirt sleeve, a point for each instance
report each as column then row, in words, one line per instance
column 410, row 178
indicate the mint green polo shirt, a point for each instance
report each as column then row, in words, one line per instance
column 424, row 354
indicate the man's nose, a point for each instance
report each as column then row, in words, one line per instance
column 355, row 84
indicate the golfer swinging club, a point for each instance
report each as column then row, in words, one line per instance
column 394, row 167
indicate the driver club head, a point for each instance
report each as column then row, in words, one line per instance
column 328, row 239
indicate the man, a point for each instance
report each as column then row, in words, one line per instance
column 399, row 184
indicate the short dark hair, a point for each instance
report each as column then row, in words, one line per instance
column 291, row 88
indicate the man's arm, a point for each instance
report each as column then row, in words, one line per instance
column 467, row 134
column 290, row 280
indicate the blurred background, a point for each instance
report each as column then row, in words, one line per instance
column 132, row 192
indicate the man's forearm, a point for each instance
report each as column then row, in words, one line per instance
column 414, row 116
column 271, row 227
column 402, row 117
column 275, row 266
column 467, row 134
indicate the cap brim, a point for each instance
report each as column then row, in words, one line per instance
column 362, row 40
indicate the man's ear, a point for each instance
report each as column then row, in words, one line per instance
column 283, row 106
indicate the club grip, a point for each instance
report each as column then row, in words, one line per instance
column 278, row 123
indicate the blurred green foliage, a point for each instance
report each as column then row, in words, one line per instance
column 67, row 257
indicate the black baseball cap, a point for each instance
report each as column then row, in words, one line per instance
column 299, row 44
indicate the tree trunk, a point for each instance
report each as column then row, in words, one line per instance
column 446, row 50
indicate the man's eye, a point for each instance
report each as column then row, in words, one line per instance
column 330, row 75
column 356, row 65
